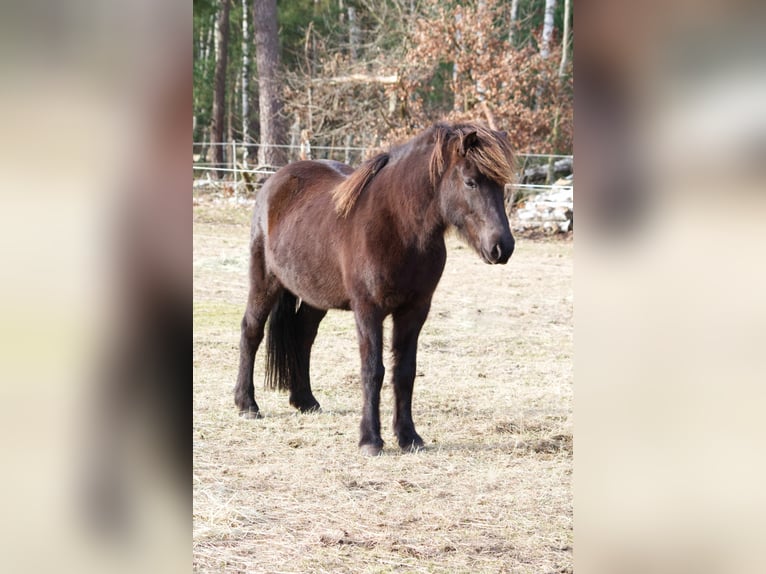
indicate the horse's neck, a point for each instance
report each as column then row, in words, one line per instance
column 413, row 201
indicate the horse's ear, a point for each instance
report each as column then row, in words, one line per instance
column 469, row 140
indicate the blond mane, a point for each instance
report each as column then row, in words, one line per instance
column 491, row 153
column 347, row 192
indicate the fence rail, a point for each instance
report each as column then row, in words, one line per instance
column 236, row 168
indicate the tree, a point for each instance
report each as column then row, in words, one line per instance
column 245, row 75
column 513, row 87
column 204, row 64
column 565, row 39
column 513, row 20
column 361, row 78
column 219, row 93
column 550, row 10
column 269, row 89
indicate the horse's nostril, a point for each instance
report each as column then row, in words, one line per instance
column 497, row 252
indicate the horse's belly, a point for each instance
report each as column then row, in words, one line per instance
column 321, row 291
column 317, row 281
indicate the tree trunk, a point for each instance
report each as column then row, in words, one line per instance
column 219, row 94
column 309, row 92
column 514, row 19
column 206, row 41
column 488, row 114
column 479, row 85
column 565, row 39
column 458, row 101
column 209, row 41
column 269, row 96
column 353, row 34
column 230, row 114
column 550, row 9
column 245, row 77
column 550, row 176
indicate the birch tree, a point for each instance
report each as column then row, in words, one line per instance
column 245, row 75
column 353, row 34
column 545, row 44
column 513, row 19
column 565, row 39
column 219, row 94
column 204, row 71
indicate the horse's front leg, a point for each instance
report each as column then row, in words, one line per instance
column 407, row 325
column 369, row 329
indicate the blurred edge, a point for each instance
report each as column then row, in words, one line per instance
column 670, row 318
column 95, row 109
column 96, row 273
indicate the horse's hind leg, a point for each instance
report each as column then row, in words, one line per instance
column 264, row 290
column 308, row 318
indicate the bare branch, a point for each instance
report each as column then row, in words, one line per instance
column 357, row 78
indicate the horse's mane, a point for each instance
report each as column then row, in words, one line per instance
column 491, row 153
column 346, row 194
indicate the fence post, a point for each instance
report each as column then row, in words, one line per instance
column 234, row 162
column 305, row 144
column 347, row 155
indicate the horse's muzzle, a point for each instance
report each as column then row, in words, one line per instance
column 500, row 252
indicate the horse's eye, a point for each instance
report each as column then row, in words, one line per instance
column 470, row 183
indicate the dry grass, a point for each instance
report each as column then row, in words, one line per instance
column 493, row 401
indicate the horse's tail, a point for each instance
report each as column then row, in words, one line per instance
column 282, row 359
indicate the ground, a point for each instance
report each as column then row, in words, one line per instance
column 491, row 492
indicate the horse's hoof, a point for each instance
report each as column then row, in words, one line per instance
column 410, row 442
column 310, row 406
column 306, row 409
column 251, row 413
column 370, row 450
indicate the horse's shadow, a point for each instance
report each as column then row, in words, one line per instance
column 295, row 414
column 431, row 449
column 510, row 446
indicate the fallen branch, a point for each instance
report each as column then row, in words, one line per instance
column 357, row 78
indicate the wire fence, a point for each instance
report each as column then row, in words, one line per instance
column 239, row 170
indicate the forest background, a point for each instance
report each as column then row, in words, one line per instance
column 360, row 74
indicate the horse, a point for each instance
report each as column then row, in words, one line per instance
column 372, row 241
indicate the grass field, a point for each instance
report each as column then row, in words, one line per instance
column 493, row 401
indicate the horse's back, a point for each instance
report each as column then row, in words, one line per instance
column 340, row 167
column 303, row 235
column 294, row 185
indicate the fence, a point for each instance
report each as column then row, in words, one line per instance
column 237, row 169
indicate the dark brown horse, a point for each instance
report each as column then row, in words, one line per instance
column 325, row 237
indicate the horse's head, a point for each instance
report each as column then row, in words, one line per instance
column 472, row 164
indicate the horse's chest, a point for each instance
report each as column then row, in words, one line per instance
column 405, row 280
